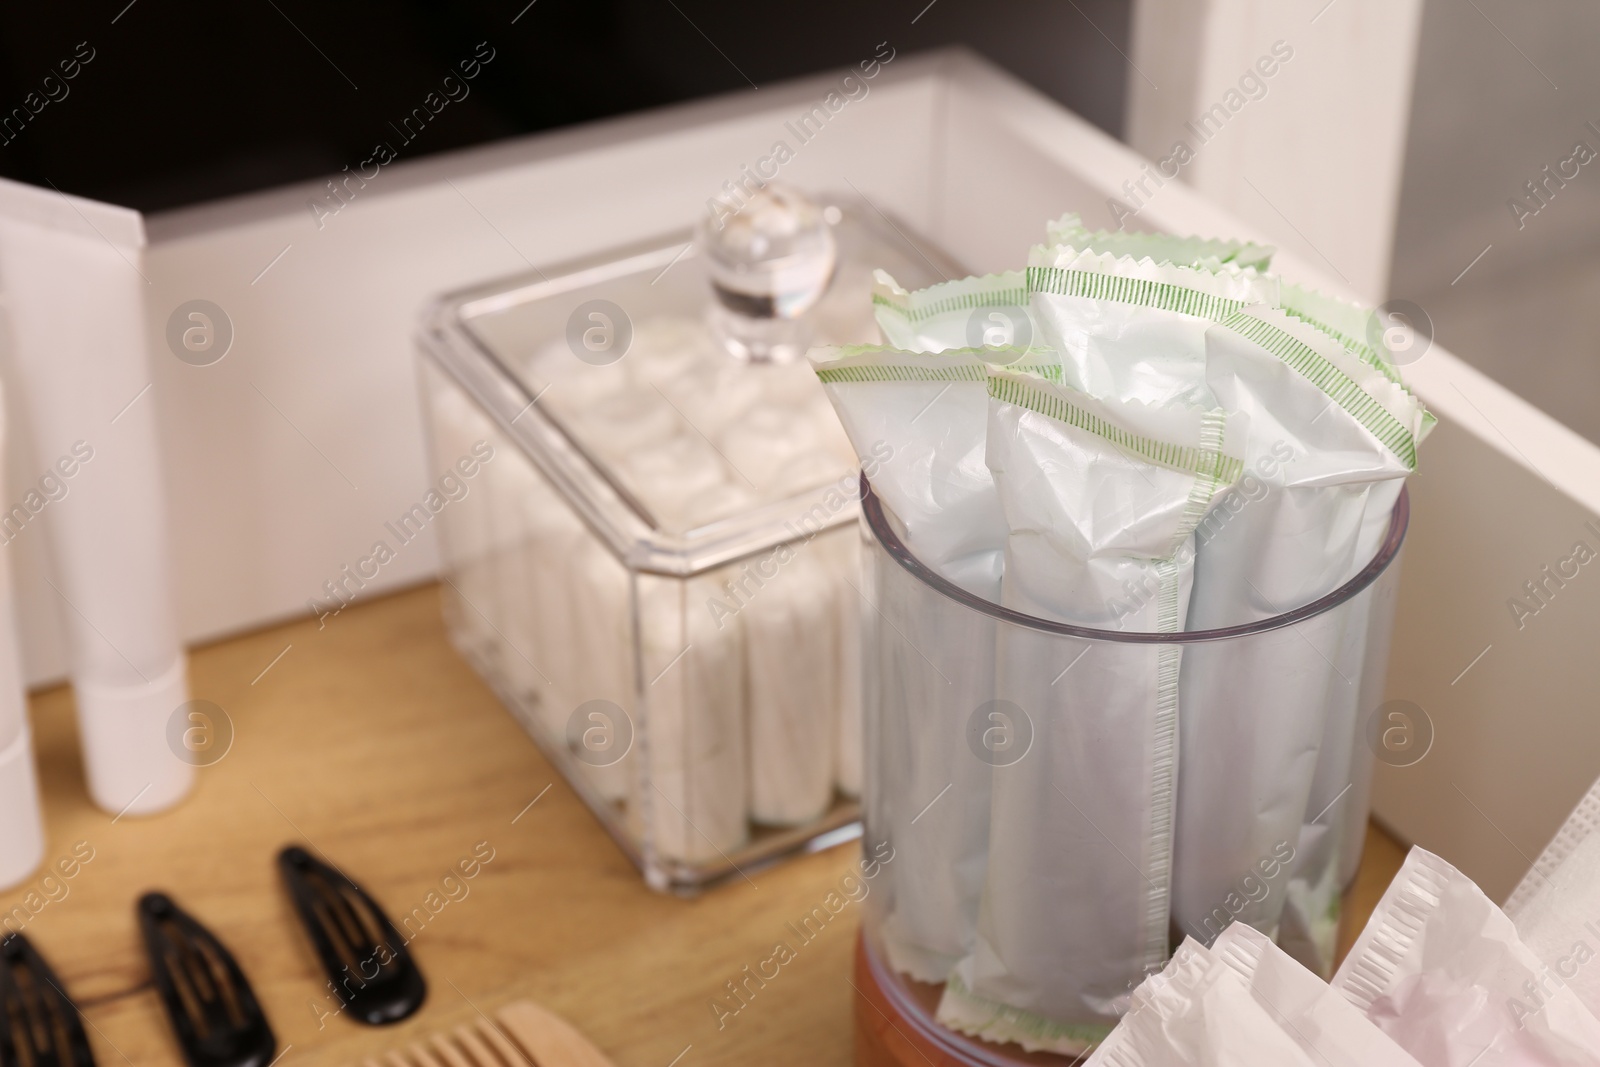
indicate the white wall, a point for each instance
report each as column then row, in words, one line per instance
column 285, row 458
column 1496, row 103
column 1310, row 153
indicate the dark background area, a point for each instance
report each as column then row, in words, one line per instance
column 185, row 101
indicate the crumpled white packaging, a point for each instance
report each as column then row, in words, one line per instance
column 987, row 311
column 920, row 419
column 1199, row 1013
column 1100, row 498
column 1134, row 328
column 1314, row 1015
column 1083, row 291
column 918, row 422
column 928, row 795
column 1324, row 429
column 1330, row 848
column 1556, row 906
column 1333, row 829
column 1442, row 970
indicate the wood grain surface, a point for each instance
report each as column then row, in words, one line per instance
column 371, row 742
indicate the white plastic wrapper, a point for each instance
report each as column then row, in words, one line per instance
column 918, row 421
column 1442, row 971
column 1199, row 1013
column 1556, row 906
column 1101, row 499
column 1311, row 1013
column 921, row 421
column 1335, row 823
column 928, row 795
column 1134, row 329
column 1111, row 317
column 1324, row 430
column 990, row 311
column 1333, row 829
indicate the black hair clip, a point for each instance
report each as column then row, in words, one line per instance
column 209, row 1002
column 368, row 966
column 36, row 1013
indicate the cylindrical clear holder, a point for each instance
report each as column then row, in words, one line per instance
column 1034, row 844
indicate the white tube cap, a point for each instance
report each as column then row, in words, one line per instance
column 132, row 766
column 21, row 823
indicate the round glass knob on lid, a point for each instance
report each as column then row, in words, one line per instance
column 770, row 262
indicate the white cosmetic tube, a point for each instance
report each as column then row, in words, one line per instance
column 71, row 270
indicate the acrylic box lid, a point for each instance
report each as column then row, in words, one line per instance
column 679, row 456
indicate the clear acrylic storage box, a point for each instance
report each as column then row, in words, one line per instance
column 654, row 560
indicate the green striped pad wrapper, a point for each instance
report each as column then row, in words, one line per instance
column 994, row 292
column 1318, row 310
column 1354, row 346
column 1096, row 285
column 862, row 364
column 1338, row 386
column 1162, row 248
column 1190, row 459
column 963, row 1010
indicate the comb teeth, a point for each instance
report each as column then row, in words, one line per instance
column 39, row 1024
column 522, row 1034
column 479, row 1045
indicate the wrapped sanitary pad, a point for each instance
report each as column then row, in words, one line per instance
column 1556, row 906
column 916, row 413
column 1335, row 823
column 981, row 312
column 1134, row 329
column 1310, row 1011
column 939, row 494
column 1324, row 429
column 1243, row 1003
column 1199, row 1013
column 1441, row 970
column 1100, row 498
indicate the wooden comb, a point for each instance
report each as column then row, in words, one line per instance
column 522, row 1035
